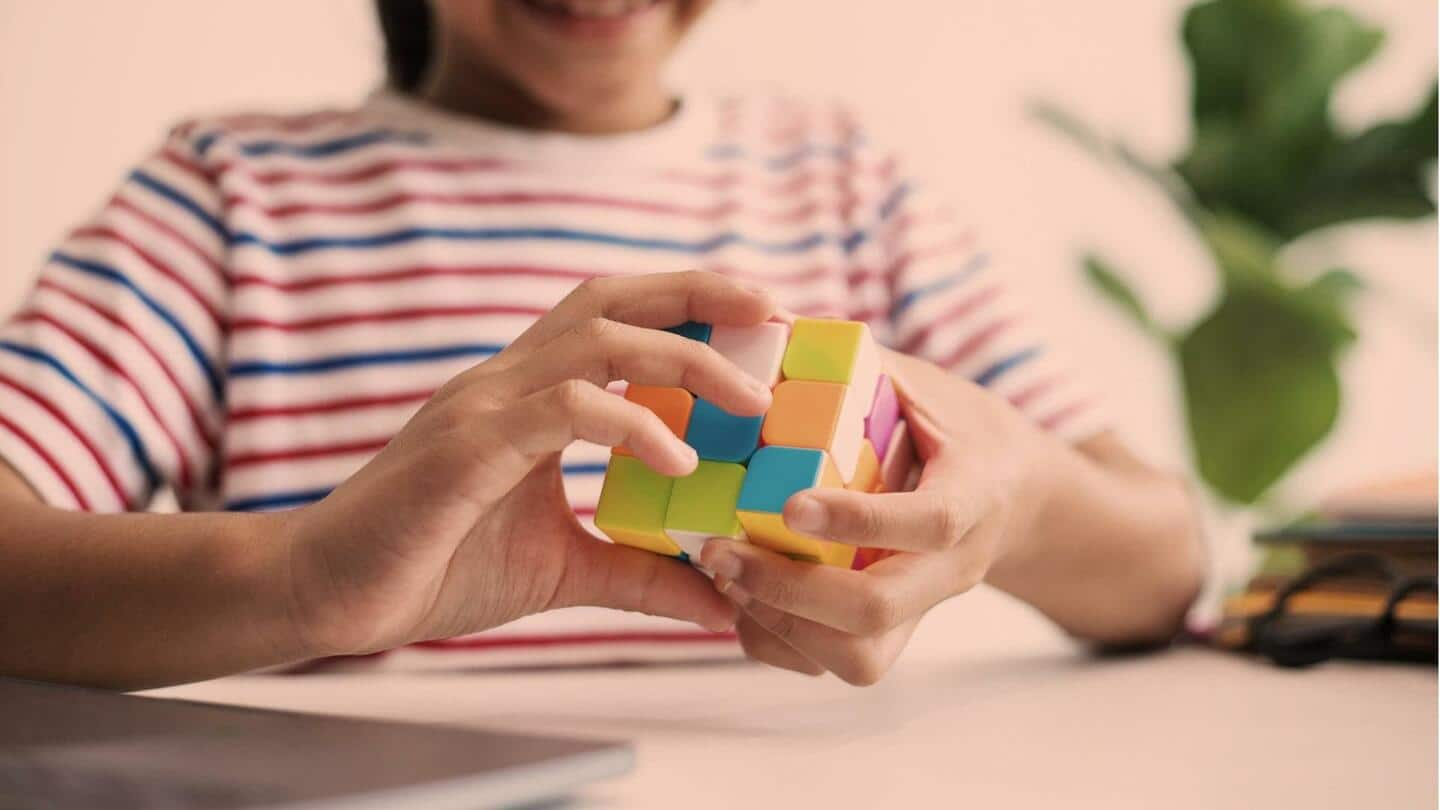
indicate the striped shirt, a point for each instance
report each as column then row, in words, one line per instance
column 266, row 299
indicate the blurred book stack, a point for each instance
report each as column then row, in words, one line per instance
column 1355, row 580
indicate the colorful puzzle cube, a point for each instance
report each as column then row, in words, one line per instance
column 834, row 422
column 703, row 504
column 774, row 475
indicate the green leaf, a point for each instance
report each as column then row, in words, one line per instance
column 1264, row 144
column 1113, row 287
column 1261, row 388
column 1244, row 251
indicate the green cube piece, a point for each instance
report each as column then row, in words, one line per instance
column 633, row 503
column 702, row 505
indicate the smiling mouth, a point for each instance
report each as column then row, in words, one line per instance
column 590, row 10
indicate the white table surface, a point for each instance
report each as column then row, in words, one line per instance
column 988, row 708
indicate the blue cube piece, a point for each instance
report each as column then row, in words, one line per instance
column 776, row 473
column 693, row 330
column 720, row 436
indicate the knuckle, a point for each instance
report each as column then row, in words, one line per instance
column 860, row 519
column 570, row 395
column 879, row 610
column 864, row 665
column 595, row 330
column 783, row 626
column 590, row 293
column 950, row 523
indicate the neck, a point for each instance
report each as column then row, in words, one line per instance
column 465, row 85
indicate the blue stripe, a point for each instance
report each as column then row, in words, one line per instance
column 250, row 368
column 331, row 147
column 907, row 300
column 785, row 160
column 893, row 200
column 276, row 500
column 279, row 500
column 204, row 142
column 174, row 195
column 113, row 275
column 132, row 437
column 995, row 371
column 552, row 234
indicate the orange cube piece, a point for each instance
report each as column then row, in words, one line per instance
column 672, row 405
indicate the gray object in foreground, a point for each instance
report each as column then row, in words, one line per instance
column 66, row 747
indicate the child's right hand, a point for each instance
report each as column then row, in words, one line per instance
column 461, row 522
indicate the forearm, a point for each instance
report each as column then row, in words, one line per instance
column 131, row 601
column 1111, row 551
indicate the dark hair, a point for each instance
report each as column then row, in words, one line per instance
column 405, row 26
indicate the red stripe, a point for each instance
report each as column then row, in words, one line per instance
column 791, row 215
column 196, row 420
column 60, row 417
column 575, row 639
column 412, row 314
column 1054, row 420
column 169, row 230
column 107, row 360
column 49, row 460
column 112, row 235
column 321, row 279
column 793, row 185
column 976, row 342
column 328, row 406
column 1023, row 397
column 314, row 451
column 187, row 165
column 962, row 309
column 454, row 166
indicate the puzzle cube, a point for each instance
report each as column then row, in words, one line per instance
column 693, row 330
column 898, row 469
column 834, row 422
column 883, row 416
column 819, row 416
column 758, row 350
column 703, row 505
column 634, row 502
column 867, row 470
column 720, row 436
column 776, row 473
column 672, row 405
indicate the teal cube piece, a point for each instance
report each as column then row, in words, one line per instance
column 693, row 330
column 776, row 473
column 720, row 436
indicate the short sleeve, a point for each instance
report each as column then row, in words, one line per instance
column 950, row 303
column 110, row 372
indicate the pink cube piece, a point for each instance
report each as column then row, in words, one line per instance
column 884, row 414
column 898, row 468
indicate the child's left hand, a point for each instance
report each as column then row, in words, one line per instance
column 975, row 504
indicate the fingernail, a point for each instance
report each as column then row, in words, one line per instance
column 723, row 563
column 732, row 590
column 807, row 515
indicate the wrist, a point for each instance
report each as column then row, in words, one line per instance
column 1041, row 461
column 280, row 586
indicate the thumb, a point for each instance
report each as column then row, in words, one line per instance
column 610, row 575
column 923, row 520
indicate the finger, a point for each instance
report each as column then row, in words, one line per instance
column 854, row 659
column 657, row 300
column 764, row 646
column 849, row 601
column 600, row 351
column 614, row 576
column 550, row 420
column 923, row 520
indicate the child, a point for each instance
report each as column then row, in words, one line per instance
column 355, row 342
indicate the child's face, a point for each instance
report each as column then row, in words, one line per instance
column 563, row 52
